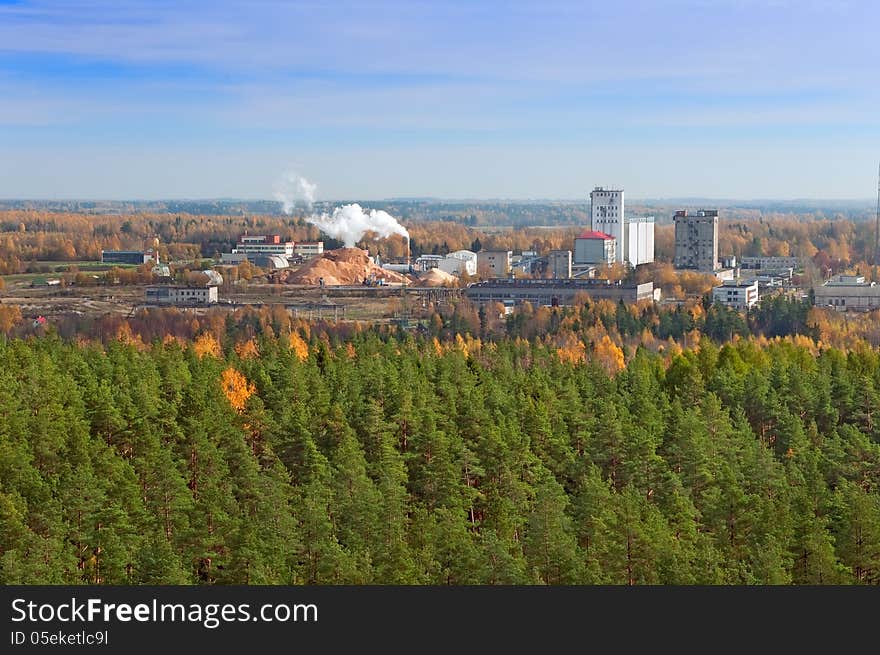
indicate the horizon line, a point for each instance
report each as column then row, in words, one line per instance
column 416, row 198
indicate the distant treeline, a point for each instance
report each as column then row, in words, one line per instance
column 488, row 212
column 30, row 236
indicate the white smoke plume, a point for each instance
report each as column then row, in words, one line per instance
column 349, row 223
column 293, row 189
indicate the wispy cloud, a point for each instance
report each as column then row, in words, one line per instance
column 322, row 77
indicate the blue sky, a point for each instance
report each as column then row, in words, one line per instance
column 175, row 99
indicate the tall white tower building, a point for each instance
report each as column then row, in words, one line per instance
column 635, row 236
column 606, row 211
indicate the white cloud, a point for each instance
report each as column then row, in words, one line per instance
column 532, row 87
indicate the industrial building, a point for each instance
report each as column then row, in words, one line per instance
column 180, row 295
column 634, row 236
column 264, row 245
column 844, row 292
column 270, row 252
column 460, row 262
column 639, row 240
column 696, row 240
column 594, row 247
column 308, row 249
column 149, row 253
column 126, row 257
column 528, row 263
column 272, row 262
column 201, row 290
column 558, row 292
column 774, row 279
column 427, row 262
column 494, row 263
column 740, row 293
column 559, row 264
column 233, row 258
column 770, row 263
column 258, row 248
column 584, row 271
column 768, row 277
column 266, row 261
column 607, row 216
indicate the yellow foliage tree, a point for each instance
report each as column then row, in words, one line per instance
column 803, row 341
column 472, row 345
column 206, row 344
column 129, row 338
column 237, row 388
column 573, row 351
column 609, row 355
column 10, row 315
column 299, row 346
column 247, row 349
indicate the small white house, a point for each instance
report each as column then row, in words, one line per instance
column 739, row 294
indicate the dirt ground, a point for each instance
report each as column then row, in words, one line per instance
column 358, row 303
column 49, row 301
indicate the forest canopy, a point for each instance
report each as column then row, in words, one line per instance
column 376, row 457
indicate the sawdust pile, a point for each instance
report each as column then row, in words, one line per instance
column 343, row 266
column 437, row 278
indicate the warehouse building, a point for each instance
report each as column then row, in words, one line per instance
column 308, row 249
column 558, row 292
column 844, row 292
column 264, row 261
column 770, row 263
column 180, row 295
column 137, row 257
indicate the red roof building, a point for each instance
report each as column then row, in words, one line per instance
column 593, row 247
column 593, row 234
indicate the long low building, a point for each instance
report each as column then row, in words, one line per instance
column 308, row 249
column 268, row 262
column 126, row 257
column 845, row 292
column 557, row 292
column 770, row 262
column 179, row 295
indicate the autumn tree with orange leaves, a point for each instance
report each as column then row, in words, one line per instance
column 609, row 355
column 237, row 388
